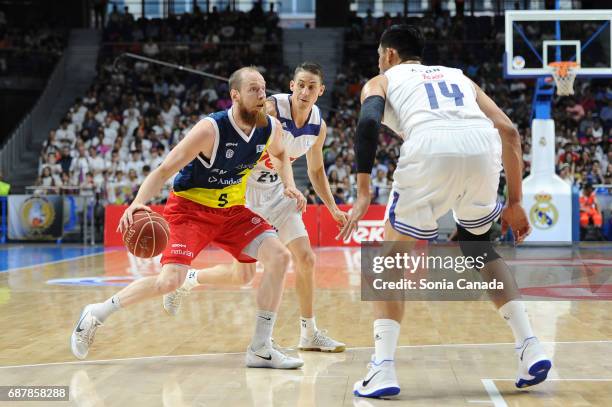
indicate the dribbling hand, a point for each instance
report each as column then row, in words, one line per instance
column 128, row 216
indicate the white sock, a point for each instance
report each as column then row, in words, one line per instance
column 386, row 332
column 264, row 324
column 103, row 310
column 308, row 327
column 515, row 314
column 191, row 279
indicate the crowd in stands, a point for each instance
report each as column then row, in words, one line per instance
column 136, row 111
column 134, row 114
column 31, row 50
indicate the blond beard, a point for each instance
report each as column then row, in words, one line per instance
column 258, row 119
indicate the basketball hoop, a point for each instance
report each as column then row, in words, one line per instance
column 564, row 73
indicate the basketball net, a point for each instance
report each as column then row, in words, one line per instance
column 564, row 73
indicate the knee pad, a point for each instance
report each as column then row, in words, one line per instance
column 476, row 245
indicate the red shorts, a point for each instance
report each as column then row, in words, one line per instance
column 193, row 226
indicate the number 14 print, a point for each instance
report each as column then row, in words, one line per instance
column 454, row 94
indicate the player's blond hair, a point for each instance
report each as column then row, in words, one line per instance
column 235, row 79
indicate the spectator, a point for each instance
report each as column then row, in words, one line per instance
column 150, row 49
column 95, row 163
column 343, row 171
column 339, row 198
column 381, row 187
column 79, row 167
column 136, row 163
column 565, row 173
column 590, row 215
column 50, row 181
column 65, row 160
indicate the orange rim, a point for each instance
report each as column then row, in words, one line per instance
column 562, row 68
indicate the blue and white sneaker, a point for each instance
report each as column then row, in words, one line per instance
column 380, row 381
column 533, row 363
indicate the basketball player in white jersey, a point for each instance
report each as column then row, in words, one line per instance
column 304, row 134
column 455, row 142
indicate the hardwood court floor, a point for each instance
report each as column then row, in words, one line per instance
column 452, row 353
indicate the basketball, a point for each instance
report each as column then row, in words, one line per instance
column 148, row 235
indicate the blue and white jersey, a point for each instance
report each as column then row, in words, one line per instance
column 297, row 141
column 221, row 181
column 436, row 96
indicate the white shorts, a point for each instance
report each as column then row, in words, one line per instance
column 441, row 169
column 278, row 210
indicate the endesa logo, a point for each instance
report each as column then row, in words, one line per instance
column 367, row 231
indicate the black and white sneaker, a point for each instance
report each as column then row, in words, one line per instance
column 271, row 357
column 84, row 333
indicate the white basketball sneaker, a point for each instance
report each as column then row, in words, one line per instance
column 270, row 357
column 533, row 363
column 380, row 381
column 172, row 302
column 320, row 342
column 84, row 333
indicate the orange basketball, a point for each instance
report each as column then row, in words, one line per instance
column 148, row 235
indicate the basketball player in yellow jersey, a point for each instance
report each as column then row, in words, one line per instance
column 304, row 133
column 207, row 206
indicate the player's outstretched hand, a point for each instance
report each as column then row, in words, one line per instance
column 128, row 216
column 340, row 217
column 513, row 216
column 359, row 209
column 292, row 192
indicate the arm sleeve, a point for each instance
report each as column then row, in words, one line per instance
column 367, row 132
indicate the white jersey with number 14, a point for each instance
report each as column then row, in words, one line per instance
column 418, row 94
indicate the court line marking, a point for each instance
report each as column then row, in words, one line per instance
column 458, row 345
column 496, row 397
column 48, row 263
column 450, row 345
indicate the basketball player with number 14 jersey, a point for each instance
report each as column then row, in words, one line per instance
column 451, row 158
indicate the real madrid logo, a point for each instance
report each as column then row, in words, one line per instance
column 543, row 214
column 37, row 214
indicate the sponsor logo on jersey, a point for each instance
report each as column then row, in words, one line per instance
column 260, row 148
column 245, row 167
column 224, row 181
column 179, row 245
column 231, row 144
column 180, row 252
